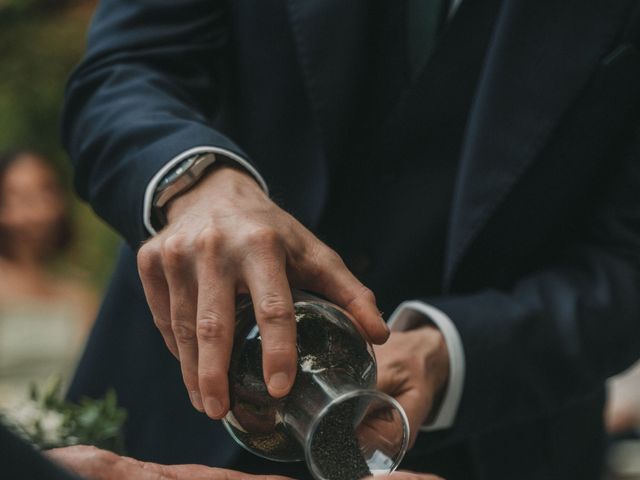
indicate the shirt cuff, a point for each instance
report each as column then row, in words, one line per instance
column 153, row 184
column 413, row 314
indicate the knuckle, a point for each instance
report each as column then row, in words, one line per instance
column 321, row 262
column 325, row 255
column 359, row 296
column 147, row 258
column 366, row 294
column 183, row 332
column 211, row 328
column 209, row 239
column 264, row 237
column 174, row 250
column 211, row 376
column 279, row 349
column 161, row 323
column 189, row 377
column 332, row 257
column 363, row 294
column 274, row 309
column 313, row 260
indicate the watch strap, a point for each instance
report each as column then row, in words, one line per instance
column 178, row 180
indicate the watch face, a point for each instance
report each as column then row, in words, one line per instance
column 165, row 181
column 181, row 177
column 174, row 174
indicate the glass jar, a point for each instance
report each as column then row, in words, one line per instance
column 333, row 418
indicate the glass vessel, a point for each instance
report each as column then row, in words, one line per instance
column 333, row 413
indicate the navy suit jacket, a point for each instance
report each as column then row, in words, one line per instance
column 542, row 263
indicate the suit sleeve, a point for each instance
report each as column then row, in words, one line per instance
column 20, row 461
column 149, row 88
column 556, row 335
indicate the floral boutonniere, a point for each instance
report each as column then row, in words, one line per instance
column 46, row 420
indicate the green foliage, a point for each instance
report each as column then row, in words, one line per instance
column 48, row 421
column 16, row 9
column 40, row 42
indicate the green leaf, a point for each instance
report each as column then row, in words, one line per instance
column 96, row 422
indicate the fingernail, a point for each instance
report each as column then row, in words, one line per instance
column 279, row 381
column 386, row 326
column 214, row 407
column 196, row 399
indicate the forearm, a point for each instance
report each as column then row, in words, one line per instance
column 552, row 336
column 551, row 340
column 147, row 91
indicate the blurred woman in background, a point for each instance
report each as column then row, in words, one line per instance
column 44, row 316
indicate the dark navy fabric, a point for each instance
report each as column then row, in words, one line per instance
column 21, row 461
column 530, row 241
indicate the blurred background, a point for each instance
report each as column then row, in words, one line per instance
column 56, row 256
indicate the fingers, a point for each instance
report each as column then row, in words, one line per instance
column 215, row 326
column 157, row 292
column 192, row 299
column 91, row 462
column 400, row 475
column 383, row 428
column 132, row 468
column 416, row 406
column 333, row 279
column 199, row 472
column 265, row 275
column 398, row 378
column 86, row 461
column 183, row 294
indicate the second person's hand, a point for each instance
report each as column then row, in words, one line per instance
column 413, row 367
column 93, row 463
column 225, row 237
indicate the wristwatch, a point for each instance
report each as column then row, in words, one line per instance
column 180, row 179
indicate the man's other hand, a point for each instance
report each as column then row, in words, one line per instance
column 95, row 464
column 413, row 367
column 225, row 237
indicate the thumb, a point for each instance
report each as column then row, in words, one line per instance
column 332, row 278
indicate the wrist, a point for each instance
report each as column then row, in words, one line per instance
column 224, row 180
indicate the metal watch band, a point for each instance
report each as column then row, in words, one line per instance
column 181, row 178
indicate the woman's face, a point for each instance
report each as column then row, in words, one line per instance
column 31, row 205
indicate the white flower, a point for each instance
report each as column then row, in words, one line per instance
column 25, row 416
column 51, row 423
column 36, row 423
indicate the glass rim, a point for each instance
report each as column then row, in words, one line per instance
column 357, row 393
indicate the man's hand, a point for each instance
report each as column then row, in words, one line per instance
column 225, row 237
column 95, row 464
column 413, row 367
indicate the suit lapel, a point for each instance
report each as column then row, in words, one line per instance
column 331, row 37
column 540, row 58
